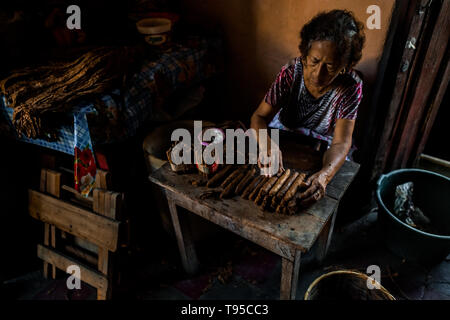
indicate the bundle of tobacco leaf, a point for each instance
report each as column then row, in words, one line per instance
column 40, row 96
column 279, row 193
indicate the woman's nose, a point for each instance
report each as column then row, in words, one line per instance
column 323, row 71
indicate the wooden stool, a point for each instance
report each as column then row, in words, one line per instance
column 89, row 227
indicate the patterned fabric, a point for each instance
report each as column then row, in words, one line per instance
column 301, row 112
column 179, row 66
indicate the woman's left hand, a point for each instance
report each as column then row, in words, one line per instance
column 317, row 184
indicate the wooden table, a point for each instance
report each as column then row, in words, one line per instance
column 287, row 236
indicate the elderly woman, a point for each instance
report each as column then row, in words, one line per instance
column 318, row 93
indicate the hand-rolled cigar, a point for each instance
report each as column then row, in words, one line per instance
column 240, row 187
column 267, row 199
column 281, row 209
column 280, row 194
column 255, row 192
column 228, row 191
column 251, row 186
column 291, row 208
column 293, row 189
column 266, row 188
column 232, row 176
column 219, row 176
column 277, row 186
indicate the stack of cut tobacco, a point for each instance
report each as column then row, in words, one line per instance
column 278, row 193
column 182, row 167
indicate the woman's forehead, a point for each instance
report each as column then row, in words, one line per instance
column 323, row 50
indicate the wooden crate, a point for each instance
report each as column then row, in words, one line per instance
column 88, row 228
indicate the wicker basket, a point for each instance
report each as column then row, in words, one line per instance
column 345, row 285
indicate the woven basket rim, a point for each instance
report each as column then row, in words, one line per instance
column 352, row 272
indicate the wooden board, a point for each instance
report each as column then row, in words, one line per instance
column 61, row 261
column 53, row 183
column 278, row 233
column 342, row 179
column 81, row 223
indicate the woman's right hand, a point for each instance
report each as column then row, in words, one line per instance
column 269, row 168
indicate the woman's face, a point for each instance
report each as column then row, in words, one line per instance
column 321, row 66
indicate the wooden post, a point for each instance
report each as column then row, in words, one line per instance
column 46, row 243
column 106, row 204
column 104, row 268
column 103, row 180
column 53, row 187
column 50, row 182
column 324, row 239
column 289, row 277
column 42, row 188
column 184, row 239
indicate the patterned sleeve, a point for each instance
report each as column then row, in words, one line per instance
column 350, row 102
column 279, row 91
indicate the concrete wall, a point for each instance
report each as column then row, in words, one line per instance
column 262, row 35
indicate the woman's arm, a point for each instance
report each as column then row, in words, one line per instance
column 259, row 120
column 333, row 159
column 261, row 117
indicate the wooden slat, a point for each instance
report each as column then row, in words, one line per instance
column 83, row 254
column 61, row 261
column 43, row 182
column 343, row 178
column 101, row 202
column 46, row 242
column 103, row 257
column 53, row 245
column 95, row 202
column 53, row 183
column 289, row 277
column 42, row 188
column 116, row 206
column 79, row 222
column 107, row 205
column 103, row 179
column 86, row 245
column 88, row 199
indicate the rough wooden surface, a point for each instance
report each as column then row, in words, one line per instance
column 88, row 275
column 289, row 277
column 299, row 231
column 340, row 182
column 79, row 222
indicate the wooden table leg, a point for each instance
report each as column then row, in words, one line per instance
column 184, row 239
column 324, row 239
column 289, row 277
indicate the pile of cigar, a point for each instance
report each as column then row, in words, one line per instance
column 278, row 193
